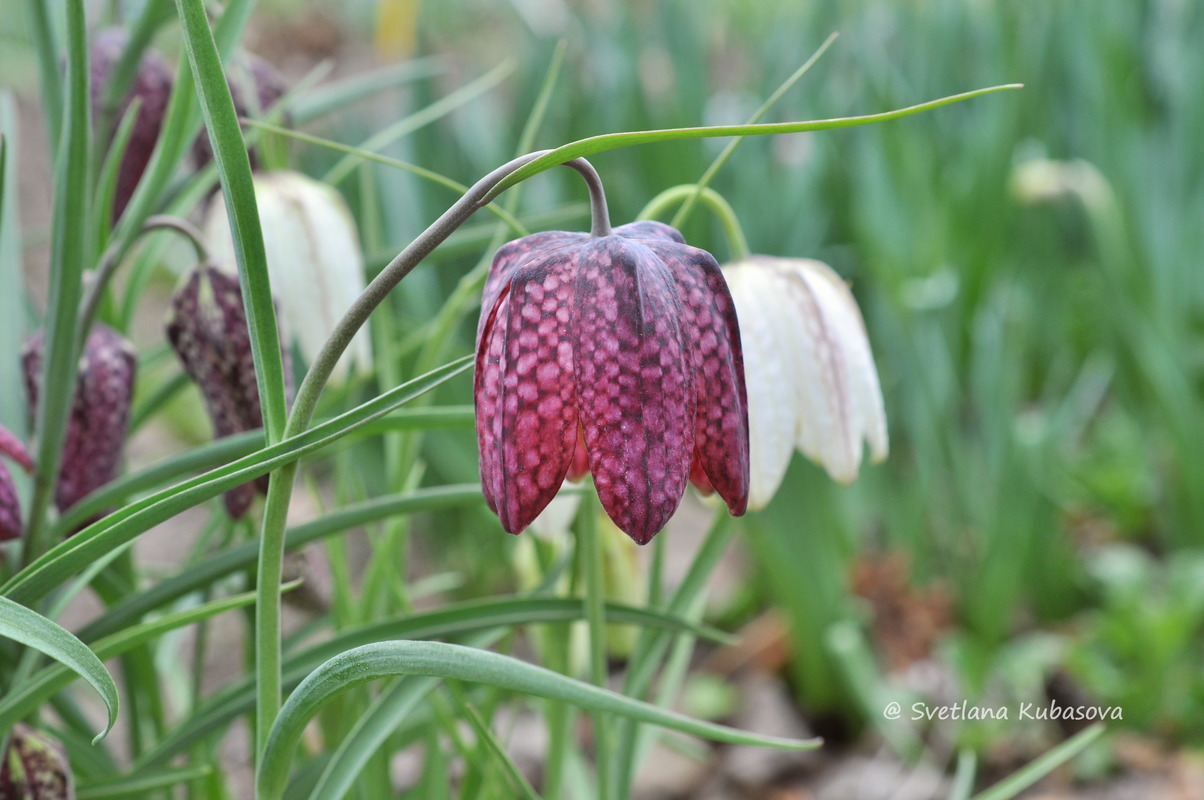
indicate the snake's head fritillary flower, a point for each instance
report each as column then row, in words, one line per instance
column 812, row 383
column 207, row 327
column 100, row 411
column 616, row 354
column 151, row 86
column 10, row 506
column 34, row 767
column 314, row 259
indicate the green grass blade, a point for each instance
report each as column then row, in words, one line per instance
column 138, row 784
column 73, row 555
column 106, row 183
column 322, row 101
column 236, row 559
column 516, row 780
column 456, row 620
column 234, row 170
column 437, row 659
column 26, row 697
column 613, row 141
column 33, row 630
column 368, row 155
column 12, row 291
column 440, row 108
column 1036, row 770
column 69, row 252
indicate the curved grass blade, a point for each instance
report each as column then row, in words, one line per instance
column 440, row 660
column 234, row 169
column 74, row 554
column 440, row 108
column 357, row 87
column 516, row 780
column 22, row 699
column 198, row 576
column 459, row 619
column 33, row 630
column 613, row 141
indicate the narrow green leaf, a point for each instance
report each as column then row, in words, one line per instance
column 12, row 291
column 437, row 659
column 69, row 251
column 1037, row 769
column 613, row 141
column 24, row 698
column 137, row 784
column 71, row 556
column 440, row 108
column 234, row 170
column 106, row 184
column 455, row 620
column 200, row 575
column 33, row 630
column 325, row 99
column 518, row 782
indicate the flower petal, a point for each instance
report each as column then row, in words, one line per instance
column 10, row 507
column 841, row 401
column 527, row 412
column 721, row 417
column 632, row 370
column 513, row 255
column 767, row 325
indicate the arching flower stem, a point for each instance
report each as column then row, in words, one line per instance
column 271, row 549
column 722, row 210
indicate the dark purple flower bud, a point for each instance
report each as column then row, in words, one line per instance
column 625, row 347
column 255, row 86
column 151, row 85
column 100, row 411
column 35, row 767
column 10, row 506
column 208, row 329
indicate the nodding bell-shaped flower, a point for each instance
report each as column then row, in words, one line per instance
column 151, row 86
column 617, row 355
column 100, row 411
column 314, row 260
column 207, row 327
column 812, row 383
column 34, row 767
column 10, row 506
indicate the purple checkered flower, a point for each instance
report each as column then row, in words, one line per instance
column 100, row 411
column 208, row 329
column 618, row 355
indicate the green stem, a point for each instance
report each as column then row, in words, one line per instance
column 736, row 242
column 112, row 258
column 591, row 558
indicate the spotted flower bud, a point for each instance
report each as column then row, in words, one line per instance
column 35, row 767
column 255, row 85
column 314, row 259
column 812, row 383
column 151, row 86
column 100, row 411
column 207, row 327
column 621, row 353
column 10, row 506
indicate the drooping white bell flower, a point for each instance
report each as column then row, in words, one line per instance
column 812, row 384
column 314, row 259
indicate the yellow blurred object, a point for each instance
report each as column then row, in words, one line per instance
column 396, row 28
